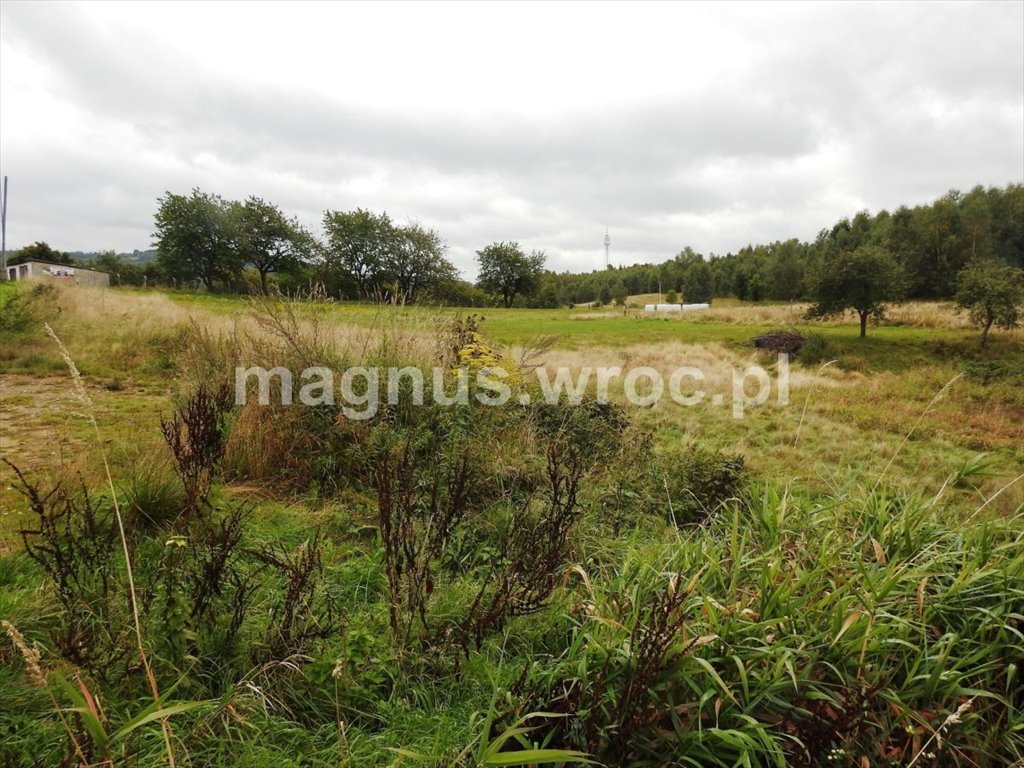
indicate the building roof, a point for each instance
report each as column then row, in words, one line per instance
column 55, row 264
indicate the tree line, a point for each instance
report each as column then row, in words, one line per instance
column 363, row 255
column 923, row 252
column 931, row 244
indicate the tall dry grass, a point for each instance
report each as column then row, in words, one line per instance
column 716, row 361
column 914, row 314
column 264, row 330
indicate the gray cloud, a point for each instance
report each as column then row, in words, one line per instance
column 773, row 125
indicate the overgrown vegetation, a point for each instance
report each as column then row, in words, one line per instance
column 531, row 584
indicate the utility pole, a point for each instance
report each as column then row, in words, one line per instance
column 3, row 234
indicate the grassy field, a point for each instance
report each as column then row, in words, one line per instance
column 836, row 580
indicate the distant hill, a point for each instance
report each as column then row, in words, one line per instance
column 135, row 257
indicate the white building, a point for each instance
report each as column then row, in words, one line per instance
column 61, row 273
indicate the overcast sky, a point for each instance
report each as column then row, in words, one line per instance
column 712, row 126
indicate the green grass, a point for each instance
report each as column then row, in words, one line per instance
column 888, row 347
column 857, row 590
column 9, row 289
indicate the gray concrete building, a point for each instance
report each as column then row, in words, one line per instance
column 59, row 273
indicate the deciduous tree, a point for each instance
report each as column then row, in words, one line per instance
column 121, row 272
column 195, row 239
column 268, row 240
column 864, row 279
column 416, row 261
column 358, row 244
column 507, row 271
column 992, row 293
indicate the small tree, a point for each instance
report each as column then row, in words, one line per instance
column 121, row 272
column 993, row 294
column 864, row 280
column 671, row 297
column 620, row 293
column 507, row 271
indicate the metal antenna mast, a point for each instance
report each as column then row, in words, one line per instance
column 607, row 245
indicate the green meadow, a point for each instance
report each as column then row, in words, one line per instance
column 836, row 580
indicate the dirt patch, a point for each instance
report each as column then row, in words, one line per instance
column 36, row 415
column 43, row 425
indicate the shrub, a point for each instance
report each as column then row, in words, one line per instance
column 699, row 481
column 532, row 553
column 76, row 546
column 592, row 427
column 303, row 611
column 421, row 500
column 196, row 434
column 682, row 486
column 989, row 371
column 816, row 350
column 455, row 335
column 439, row 516
column 26, row 311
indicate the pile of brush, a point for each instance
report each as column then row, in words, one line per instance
column 787, row 342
